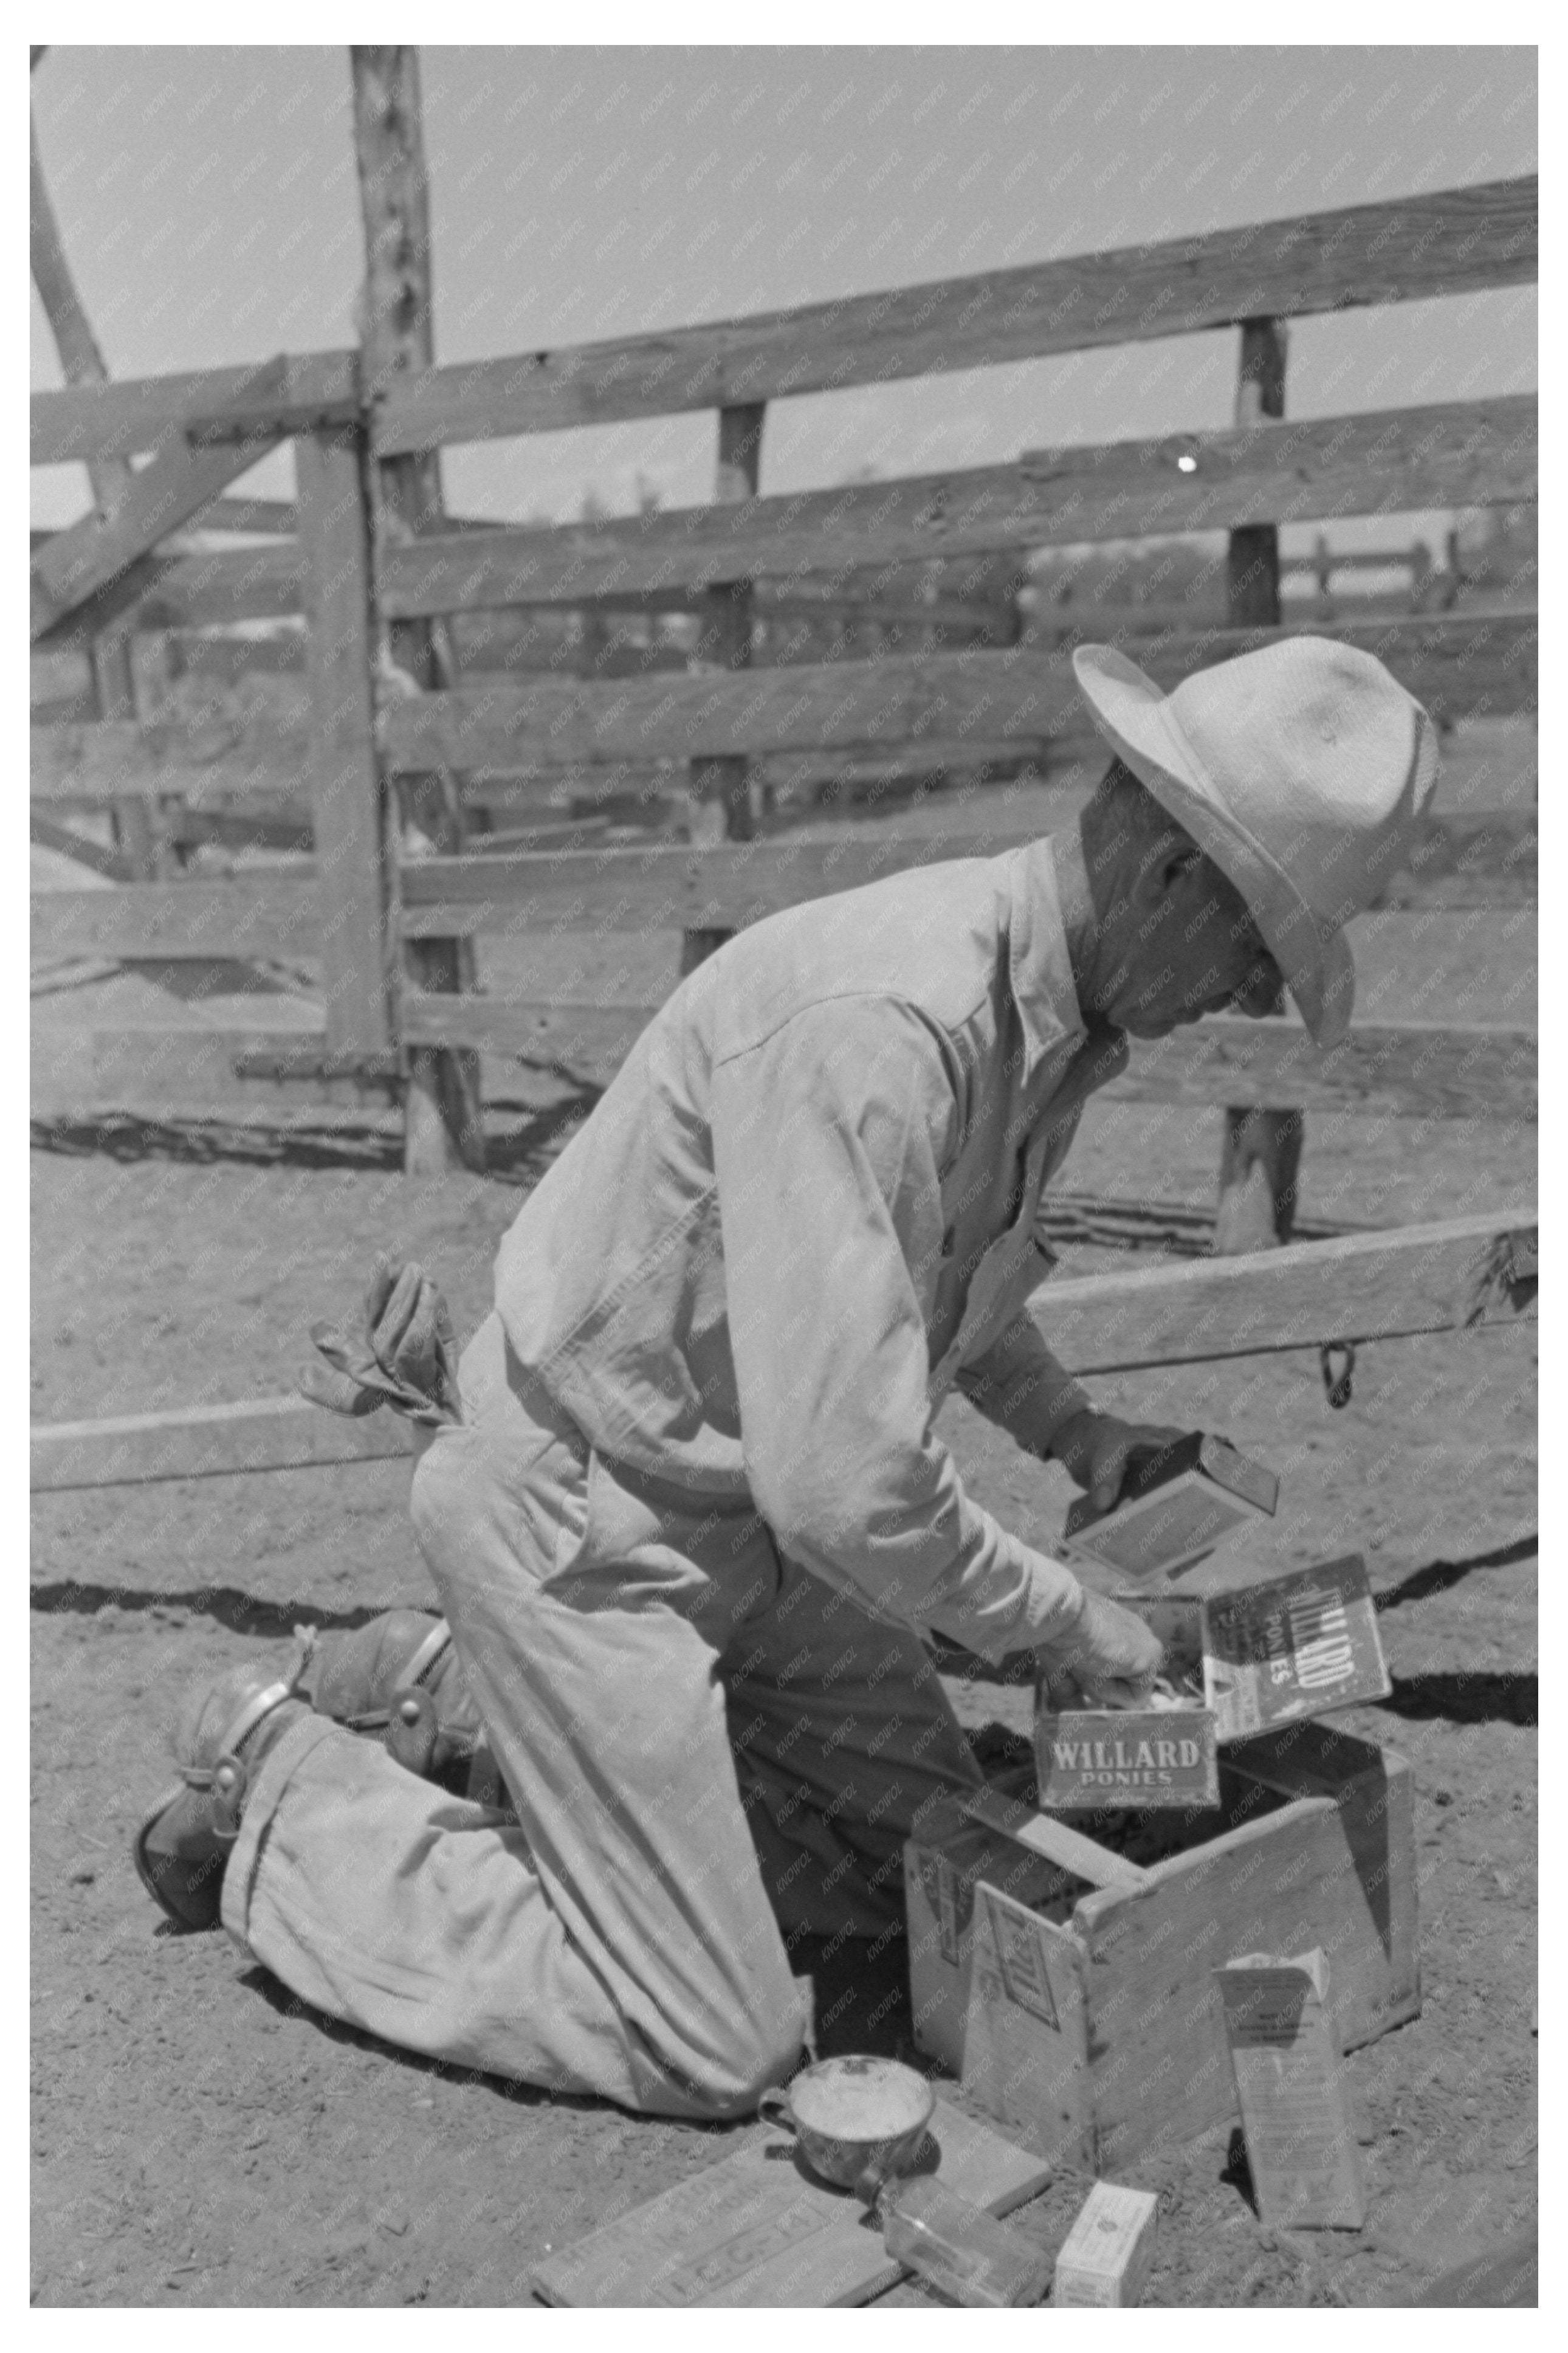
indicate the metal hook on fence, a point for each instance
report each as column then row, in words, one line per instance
column 1337, row 1386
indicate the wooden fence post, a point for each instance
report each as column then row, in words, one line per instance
column 443, row 1109
column 81, row 361
column 1261, row 1153
column 351, row 844
column 720, row 789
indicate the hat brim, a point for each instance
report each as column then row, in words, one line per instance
column 1133, row 715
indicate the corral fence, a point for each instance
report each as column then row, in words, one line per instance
column 541, row 693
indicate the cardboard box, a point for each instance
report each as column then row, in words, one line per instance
column 1293, row 1646
column 1301, row 2145
column 1107, row 2256
column 1173, row 1510
column 1095, row 2031
column 1088, row 1757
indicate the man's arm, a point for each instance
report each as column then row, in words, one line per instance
column 826, row 1140
column 1020, row 1385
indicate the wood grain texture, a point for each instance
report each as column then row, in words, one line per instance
column 212, row 591
column 1159, row 2068
column 268, row 916
column 1423, row 1068
column 1418, row 1071
column 76, row 564
column 206, row 1072
column 1018, row 695
column 274, row 1433
column 1413, row 248
column 142, row 413
column 351, row 852
column 1457, row 453
column 1384, row 1285
column 88, row 764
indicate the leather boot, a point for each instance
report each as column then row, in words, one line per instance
column 399, row 1677
column 226, row 1729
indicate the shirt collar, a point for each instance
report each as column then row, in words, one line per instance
column 1039, row 972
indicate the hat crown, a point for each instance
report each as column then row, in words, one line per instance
column 1300, row 769
column 1320, row 756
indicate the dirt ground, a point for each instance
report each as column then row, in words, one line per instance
column 199, row 2137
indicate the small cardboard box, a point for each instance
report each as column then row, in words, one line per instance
column 1293, row 1646
column 1107, row 2256
column 1301, row 2145
column 1166, row 1756
column 1288, row 1647
column 1174, row 1509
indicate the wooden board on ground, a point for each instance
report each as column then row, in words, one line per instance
column 758, row 2229
column 206, row 1441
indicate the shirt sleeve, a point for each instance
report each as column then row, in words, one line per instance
column 1020, row 1385
column 827, row 1138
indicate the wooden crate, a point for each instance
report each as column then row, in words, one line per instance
column 1103, row 2037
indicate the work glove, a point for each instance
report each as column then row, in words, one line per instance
column 1098, row 1450
column 1109, row 1657
column 404, row 1355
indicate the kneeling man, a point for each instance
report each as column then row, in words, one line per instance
column 690, row 1520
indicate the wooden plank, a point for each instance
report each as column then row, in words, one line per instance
column 673, row 887
column 1454, row 241
column 142, row 413
column 1420, row 1068
column 77, row 847
column 443, row 1112
column 1159, row 2072
column 1020, row 694
column 1260, row 1146
column 1455, row 453
column 212, row 591
column 275, row 1433
column 88, row 764
column 1054, row 1841
column 355, row 944
column 206, row 1073
column 1371, row 1286
column 74, row 564
column 267, row 914
column 758, row 2230
column 1417, row 1070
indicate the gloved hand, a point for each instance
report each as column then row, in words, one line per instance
column 1098, row 1450
column 405, row 1355
column 1109, row 1657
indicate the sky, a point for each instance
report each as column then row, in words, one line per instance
column 208, row 202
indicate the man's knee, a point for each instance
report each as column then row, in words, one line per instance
column 448, row 1493
column 757, row 2054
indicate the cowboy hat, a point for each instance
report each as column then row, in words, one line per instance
column 1301, row 770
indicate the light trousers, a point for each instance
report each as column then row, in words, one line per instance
column 709, row 1751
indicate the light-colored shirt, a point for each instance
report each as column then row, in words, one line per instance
column 805, row 1209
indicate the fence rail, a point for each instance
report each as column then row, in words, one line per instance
column 619, row 724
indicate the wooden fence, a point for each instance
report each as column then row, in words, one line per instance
column 925, row 679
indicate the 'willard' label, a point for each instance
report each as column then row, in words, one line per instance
column 1135, row 1757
